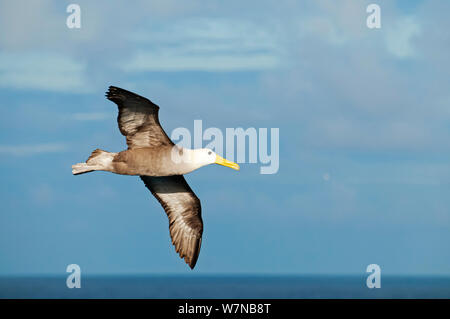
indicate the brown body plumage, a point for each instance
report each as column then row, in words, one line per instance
column 135, row 162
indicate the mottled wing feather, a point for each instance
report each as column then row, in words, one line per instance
column 184, row 211
column 138, row 119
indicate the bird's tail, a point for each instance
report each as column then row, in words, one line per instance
column 81, row 168
column 98, row 161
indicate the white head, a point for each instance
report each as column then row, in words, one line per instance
column 205, row 156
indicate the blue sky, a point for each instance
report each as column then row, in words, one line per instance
column 364, row 135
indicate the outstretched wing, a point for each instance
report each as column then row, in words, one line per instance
column 138, row 119
column 184, row 211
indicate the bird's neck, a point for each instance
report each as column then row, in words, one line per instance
column 187, row 160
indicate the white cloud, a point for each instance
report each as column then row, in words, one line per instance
column 388, row 135
column 399, row 37
column 24, row 22
column 41, row 71
column 322, row 27
column 30, row 150
column 32, row 25
column 148, row 61
column 205, row 45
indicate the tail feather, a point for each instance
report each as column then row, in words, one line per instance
column 81, row 168
column 94, row 154
column 98, row 161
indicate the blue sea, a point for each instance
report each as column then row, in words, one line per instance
column 224, row 287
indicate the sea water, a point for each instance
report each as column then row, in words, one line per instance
column 224, row 286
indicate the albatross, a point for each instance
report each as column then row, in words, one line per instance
column 160, row 164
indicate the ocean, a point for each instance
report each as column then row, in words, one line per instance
column 226, row 287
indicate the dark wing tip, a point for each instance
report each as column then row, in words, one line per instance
column 188, row 250
column 191, row 262
column 115, row 94
column 193, row 259
column 119, row 95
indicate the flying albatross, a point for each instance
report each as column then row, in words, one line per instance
column 160, row 164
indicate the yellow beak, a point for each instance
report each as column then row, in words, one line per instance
column 227, row 163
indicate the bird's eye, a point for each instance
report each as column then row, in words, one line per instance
column 209, row 153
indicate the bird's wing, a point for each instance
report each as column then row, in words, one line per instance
column 184, row 211
column 138, row 119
